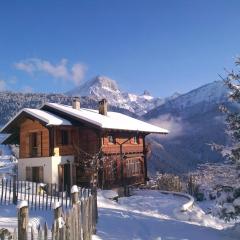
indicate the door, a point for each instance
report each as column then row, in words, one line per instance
column 67, row 176
column 64, row 177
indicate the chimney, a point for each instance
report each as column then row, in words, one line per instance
column 76, row 103
column 103, row 107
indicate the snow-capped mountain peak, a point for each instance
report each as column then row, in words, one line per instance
column 104, row 87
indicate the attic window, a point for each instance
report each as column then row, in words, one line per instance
column 64, row 137
column 33, row 144
column 111, row 139
column 135, row 140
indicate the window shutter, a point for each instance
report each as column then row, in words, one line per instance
column 28, row 173
column 58, row 137
column 27, row 147
column 39, row 144
column 41, row 174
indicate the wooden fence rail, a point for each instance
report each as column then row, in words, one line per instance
column 39, row 196
column 75, row 223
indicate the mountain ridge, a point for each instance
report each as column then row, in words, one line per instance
column 193, row 118
column 105, row 87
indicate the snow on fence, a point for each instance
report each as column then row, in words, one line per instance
column 76, row 223
column 38, row 195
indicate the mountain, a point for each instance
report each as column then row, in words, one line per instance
column 104, row 87
column 13, row 102
column 194, row 121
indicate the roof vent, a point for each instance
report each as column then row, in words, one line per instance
column 103, row 107
column 76, row 103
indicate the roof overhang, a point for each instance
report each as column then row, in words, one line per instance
column 46, row 119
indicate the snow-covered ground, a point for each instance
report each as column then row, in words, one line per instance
column 147, row 214
column 152, row 215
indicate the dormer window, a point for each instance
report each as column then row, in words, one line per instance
column 111, row 139
column 135, row 140
column 64, row 137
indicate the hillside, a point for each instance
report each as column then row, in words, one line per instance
column 12, row 102
column 194, row 121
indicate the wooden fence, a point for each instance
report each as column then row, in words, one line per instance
column 75, row 223
column 39, row 196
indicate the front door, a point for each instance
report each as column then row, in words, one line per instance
column 64, row 176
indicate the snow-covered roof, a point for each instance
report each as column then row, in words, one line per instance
column 49, row 118
column 46, row 117
column 113, row 120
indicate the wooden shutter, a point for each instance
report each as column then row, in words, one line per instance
column 58, row 137
column 27, row 151
column 28, row 173
column 40, row 169
column 39, row 144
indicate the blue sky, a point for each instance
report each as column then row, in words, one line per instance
column 161, row 46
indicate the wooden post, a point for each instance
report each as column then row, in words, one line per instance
column 2, row 190
column 25, row 186
column 45, row 231
column 10, row 191
column 51, row 196
column 14, row 189
column 22, row 220
column 32, row 233
column 28, row 193
column 35, row 196
column 57, row 219
column 6, row 184
column 57, row 210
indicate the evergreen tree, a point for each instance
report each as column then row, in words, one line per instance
column 232, row 81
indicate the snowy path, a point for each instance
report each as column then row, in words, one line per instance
column 152, row 215
column 148, row 215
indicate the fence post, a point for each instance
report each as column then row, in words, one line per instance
column 14, row 189
column 94, row 210
column 22, row 220
column 58, row 220
column 75, row 212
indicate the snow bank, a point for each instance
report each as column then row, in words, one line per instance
column 57, row 205
column 22, row 204
column 108, row 194
column 186, row 205
column 74, row 189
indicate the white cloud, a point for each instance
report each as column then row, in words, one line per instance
column 175, row 125
column 74, row 73
column 2, row 85
column 78, row 72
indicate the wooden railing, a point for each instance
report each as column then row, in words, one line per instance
column 78, row 223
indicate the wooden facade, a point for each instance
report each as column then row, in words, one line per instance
column 123, row 151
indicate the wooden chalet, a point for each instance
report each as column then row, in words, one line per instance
column 63, row 144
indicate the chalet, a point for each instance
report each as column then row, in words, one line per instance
column 59, row 143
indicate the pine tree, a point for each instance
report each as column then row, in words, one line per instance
column 232, row 81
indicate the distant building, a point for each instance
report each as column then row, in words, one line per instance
column 58, row 141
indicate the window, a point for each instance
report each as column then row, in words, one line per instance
column 33, row 144
column 34, row 174
column 133, row 167
column 111, row 139
column 64, row 137
column 135, row 140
